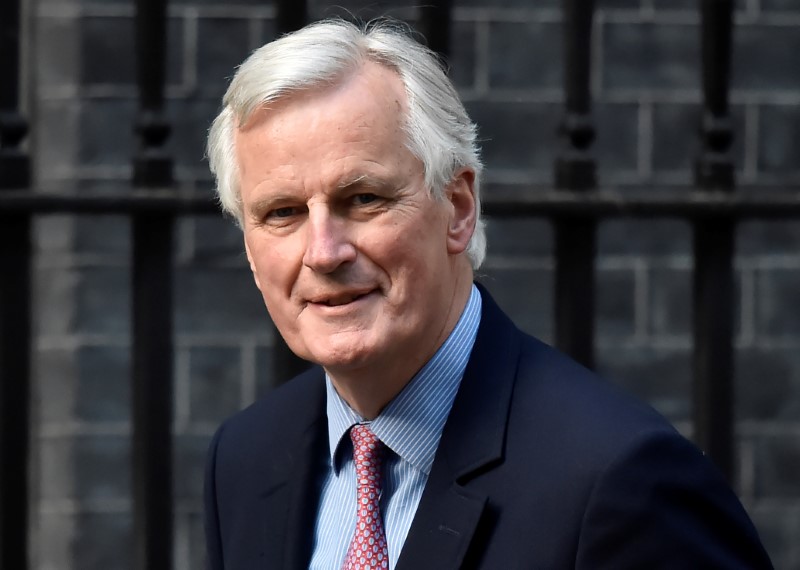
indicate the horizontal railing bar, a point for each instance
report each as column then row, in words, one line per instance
column 747, row 203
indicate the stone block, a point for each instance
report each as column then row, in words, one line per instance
column 670, row 302
column 219, row 301
column 677, row 140
column 108, row 52
column 103, row 235
column 191, row 120
column 215, row 383
column 525, row 55
column 773, row 237
column 526, row 294
column 217, row 239
column 189, row 466
column 463, row 55
column 649, row 56
column 266, row 380
column 777, row 293
column 54, row 378
column 517, row 136
column 779, row 139
column 764, row 59
column 106, row 133
column 103, row 388
column 779, row 6
column 54, row 140
column 224, row 43
column 103, row 298
column 102, row 467
column 661, row 377
column 652, row 237
column 197, row 541
column 615, row 299
column 54, row 300
column 57, row 44
column 54, row 457
column 103, row 540
column 767, row 384
column 777, row 473
column 56, row 530
column 617, row 144
column 518, row 237
column 778, row 525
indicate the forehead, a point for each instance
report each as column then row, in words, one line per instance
column 369, row 92
column 361, row 116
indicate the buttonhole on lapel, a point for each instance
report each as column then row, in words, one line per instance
column 448, row 530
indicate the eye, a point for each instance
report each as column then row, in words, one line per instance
column 284, row 212
column 362, row 199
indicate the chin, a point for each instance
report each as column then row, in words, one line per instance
column 341, row 355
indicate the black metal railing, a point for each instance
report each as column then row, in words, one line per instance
column 575, row 206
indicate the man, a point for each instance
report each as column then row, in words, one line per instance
column 353, row 170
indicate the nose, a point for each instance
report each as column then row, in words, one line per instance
column 328, row 246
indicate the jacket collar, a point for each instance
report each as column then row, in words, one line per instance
column 472, row 443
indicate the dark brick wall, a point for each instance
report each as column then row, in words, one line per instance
column 507, row 64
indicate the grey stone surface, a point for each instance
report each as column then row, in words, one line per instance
column 650, row 56
column 779, row 138
column 215, row 388
column 524, row 294
column 778, row 291
column 660, row 376
column 615, row 298
column 644, row 237
column 768, row 384
column 525, row 55
column 517, row 135
column 764, row 65
column 778, row 467
column 218, row 301
column 618, row 144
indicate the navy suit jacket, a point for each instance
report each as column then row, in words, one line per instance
column 541, row 465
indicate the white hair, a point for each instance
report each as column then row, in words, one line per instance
column 440, row 133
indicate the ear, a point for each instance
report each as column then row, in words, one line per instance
column 460, row 192
column 252, row 265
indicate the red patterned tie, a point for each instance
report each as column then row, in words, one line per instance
column 368, row 547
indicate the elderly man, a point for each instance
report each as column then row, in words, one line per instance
column 432, row 433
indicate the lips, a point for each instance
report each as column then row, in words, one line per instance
column 338, row 299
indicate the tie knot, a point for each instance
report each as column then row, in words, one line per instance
column 367, row 452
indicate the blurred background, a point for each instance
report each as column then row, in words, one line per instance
column 80, row 96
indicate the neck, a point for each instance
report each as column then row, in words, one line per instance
column 368, row 397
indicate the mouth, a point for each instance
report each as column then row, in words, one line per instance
column 339, row 299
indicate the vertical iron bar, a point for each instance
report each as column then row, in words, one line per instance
column 291, row 15
column 714, row 244
column 15, row 304
column 435, row 24
column 575, row 170
column 152, row 311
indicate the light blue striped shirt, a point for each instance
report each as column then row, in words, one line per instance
column 410, row 426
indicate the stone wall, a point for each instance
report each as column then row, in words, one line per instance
column 507, row 64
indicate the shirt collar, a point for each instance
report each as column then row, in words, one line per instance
column 412, row 423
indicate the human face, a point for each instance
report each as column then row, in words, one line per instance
column 359, row 267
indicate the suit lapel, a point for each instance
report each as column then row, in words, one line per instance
column 291, row 501
column 472, row 442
